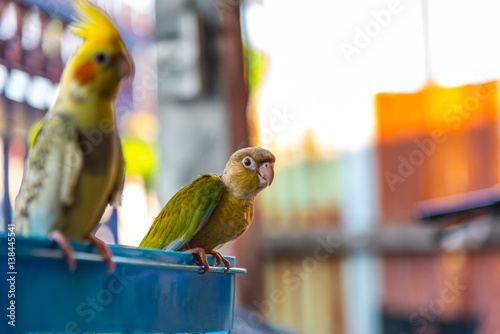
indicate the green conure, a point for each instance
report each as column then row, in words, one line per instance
column 213, row 209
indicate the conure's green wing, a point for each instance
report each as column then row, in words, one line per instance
column 186, row 212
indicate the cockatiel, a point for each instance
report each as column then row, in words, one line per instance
column 75, row 167
column 212, row 209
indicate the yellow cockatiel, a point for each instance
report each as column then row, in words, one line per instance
column 75, row 167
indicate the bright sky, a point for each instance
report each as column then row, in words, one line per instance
column 328, row 59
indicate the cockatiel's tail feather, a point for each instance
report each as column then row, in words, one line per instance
column 92, row 24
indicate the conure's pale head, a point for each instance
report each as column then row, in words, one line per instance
column 102, row 60
column 249, row 171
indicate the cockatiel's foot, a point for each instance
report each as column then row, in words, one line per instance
column 201, row 258
column 219, row 258
column 104, row 251
column 65, row 246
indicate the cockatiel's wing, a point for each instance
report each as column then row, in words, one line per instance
column 186, row 212
column 52, row 171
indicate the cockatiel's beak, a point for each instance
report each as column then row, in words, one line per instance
column 126, row 66
column 265, row 174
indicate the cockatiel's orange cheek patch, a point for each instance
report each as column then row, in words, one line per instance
column 86, row 72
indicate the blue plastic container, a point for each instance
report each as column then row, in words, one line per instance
column 151, row 291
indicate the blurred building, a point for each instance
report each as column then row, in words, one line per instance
column 371, row 108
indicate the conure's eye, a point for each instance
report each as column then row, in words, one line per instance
column 102, row 58
column 249, row 163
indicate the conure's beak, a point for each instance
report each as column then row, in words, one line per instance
column 265, row 174
column 126, row 66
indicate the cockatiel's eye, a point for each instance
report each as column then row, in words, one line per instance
column 102, row 58
column 249, row 162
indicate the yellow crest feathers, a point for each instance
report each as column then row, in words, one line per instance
column 92, row 23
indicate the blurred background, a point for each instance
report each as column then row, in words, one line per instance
column 383, row 116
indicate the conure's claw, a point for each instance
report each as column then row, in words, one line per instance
column 226, row 264
column 65, row 246
column 219, row 258
column 104, row 251
column 201, row 259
